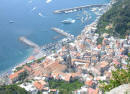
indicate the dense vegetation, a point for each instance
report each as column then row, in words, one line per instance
column 119, row 77
column 40, row 60
column 99, row 40
column 12, row 89
column 22, row 76
column 116, row 21
column 65, row 87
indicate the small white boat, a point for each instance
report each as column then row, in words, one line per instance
column 34, row 8
column 93, row 9
column 82, row 19
column 68, row 21
column 11, row 21
column 40, row 14
column 48, row 1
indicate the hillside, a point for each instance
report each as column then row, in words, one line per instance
column 116, row 21
column 12, row 89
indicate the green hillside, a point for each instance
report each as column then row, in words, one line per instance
column 12, row 89
column 116, row 21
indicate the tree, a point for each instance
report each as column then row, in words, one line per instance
column 99, row 40
column 23, row 75
column 119, row 77
column 65, row 87
column 12, row 89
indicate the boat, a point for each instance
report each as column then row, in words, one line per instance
column 82, row 19
column 41, row 15
column 93, row 9
column 68, row 21
column 34, row 8
column 48, row 1
column 11, row 21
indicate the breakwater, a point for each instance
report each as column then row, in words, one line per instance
column 78, row 8
column 62, row 32
column 28, row 42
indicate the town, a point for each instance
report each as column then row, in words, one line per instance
column 84, row 59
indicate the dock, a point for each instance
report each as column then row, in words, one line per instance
column 62, row 32
column 29, row 42
column 78, row 8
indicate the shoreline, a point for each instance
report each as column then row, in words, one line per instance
column 9, row 70
column 33, row 53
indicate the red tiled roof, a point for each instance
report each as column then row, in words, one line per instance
column 12, row 76
column 89, row 82
column 15, row 75
column 103, row 64
column 93, row 91
column 99, row 46
column 53, row 90
column 116, row 62
column 39, row 84
column 79, row 60
column 67, row 77
column 75, row 74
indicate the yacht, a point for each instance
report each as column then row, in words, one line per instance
column 68, row 21
column 11, row 21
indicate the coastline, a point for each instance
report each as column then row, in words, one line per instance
column 22, row 62
column 35, row 54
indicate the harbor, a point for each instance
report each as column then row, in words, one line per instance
column 78, row 8
column 34, row 31
column 79, row 61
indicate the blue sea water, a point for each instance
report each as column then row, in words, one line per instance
column 28, row 22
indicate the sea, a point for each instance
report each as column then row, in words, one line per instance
column 34, row 20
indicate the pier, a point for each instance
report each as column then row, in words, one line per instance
column 28, row 42
column 78, row 8
column 62, row 32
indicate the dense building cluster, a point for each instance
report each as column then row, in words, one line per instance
column 83, row 59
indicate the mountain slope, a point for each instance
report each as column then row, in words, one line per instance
column 116, row 21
